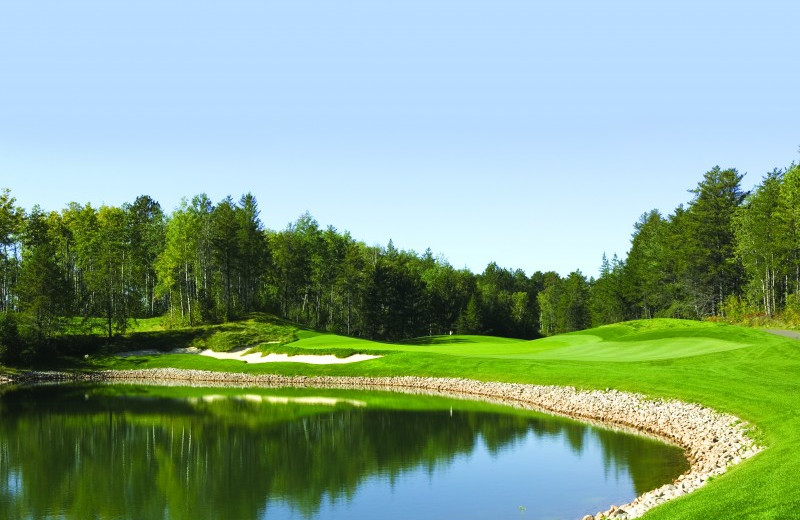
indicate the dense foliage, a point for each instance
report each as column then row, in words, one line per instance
column 728, row 254
column 211, row 263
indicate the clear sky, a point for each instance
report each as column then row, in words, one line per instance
column 526, row 132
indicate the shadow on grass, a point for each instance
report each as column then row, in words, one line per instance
column 161, row 340
column 81, row 344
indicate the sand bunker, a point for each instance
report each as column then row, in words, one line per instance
column 256, row 357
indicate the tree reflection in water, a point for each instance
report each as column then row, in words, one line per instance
column 107, row 452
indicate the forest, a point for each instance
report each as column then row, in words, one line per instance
column 727, row 254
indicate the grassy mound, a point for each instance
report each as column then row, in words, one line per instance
column 257, row 330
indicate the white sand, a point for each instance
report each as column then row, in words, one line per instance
column 239, row 355
column 256, row 357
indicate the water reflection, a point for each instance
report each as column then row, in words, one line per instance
column 109, row 452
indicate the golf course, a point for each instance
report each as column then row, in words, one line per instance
column 750, row 373
column 399, row 260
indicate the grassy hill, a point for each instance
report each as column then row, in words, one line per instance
column 747, row 372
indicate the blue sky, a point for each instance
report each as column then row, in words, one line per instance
column 529, row 133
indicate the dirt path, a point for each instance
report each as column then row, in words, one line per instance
column 788, row 333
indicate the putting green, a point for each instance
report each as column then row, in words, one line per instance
column 634, row 341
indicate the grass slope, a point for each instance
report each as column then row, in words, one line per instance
column 748, row 372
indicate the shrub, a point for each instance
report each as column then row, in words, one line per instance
column 11, row 343
column 791, row 313
column 9, row 336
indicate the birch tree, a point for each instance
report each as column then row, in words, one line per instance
column 760, row 241
column 11, row 220
column 789, row 215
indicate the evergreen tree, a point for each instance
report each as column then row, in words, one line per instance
column 714, row 271
column 224, row 228
column 647, row 266
column 607, row 294
column 147, row 227
column 253, row 253
column 10, row 341
column 293, row 252
column 470, row 321
column 448, row 292
column 350, row 284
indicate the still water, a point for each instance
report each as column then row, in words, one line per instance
column 139, row 452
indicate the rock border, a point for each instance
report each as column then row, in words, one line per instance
column 713, row 441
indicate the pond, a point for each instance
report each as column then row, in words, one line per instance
column 151, row 452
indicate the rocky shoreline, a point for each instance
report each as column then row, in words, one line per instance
column 712, row 441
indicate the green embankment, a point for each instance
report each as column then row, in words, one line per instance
column 750, row 373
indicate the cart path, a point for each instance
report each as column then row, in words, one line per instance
column 788, row 333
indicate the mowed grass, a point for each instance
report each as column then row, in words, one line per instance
column 633, row 341
column 750, row 373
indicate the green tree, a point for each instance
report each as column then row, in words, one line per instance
column 175, row 265
column 42, row 286
column 108, row 268
column 394, row 296
column 253, row 252
column 351, row 283
column 226, row 256
column 470, row 321
column 573, row 310
column 549, row 299
column 11, row 223
column 10, row 341
column 522, row 315
column 147, row 227
column 789, row 218
column 495, row 286
column 203, row 288
column 761, row 242
column 607, row 302
column 714, row 271
column 293, row 251
column 647, row 266
column 448, row 292
column 327, row 274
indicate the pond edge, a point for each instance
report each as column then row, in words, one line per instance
column 712, row 441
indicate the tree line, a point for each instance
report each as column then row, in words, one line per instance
column 212, row 262
column 727, row 253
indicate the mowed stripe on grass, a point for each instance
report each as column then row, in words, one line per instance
column 622, row 343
